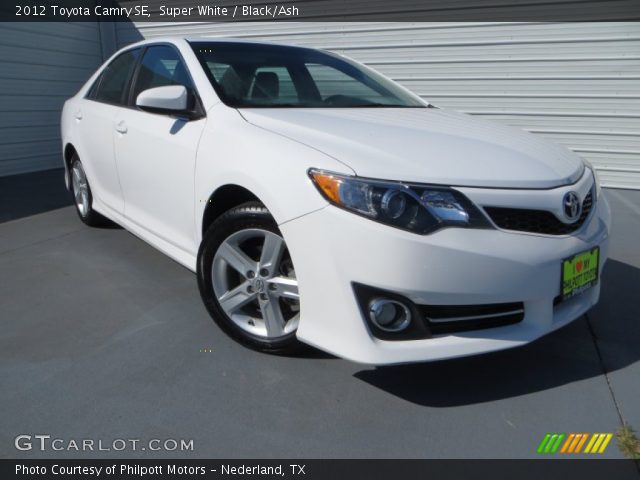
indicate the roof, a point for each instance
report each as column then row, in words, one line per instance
column 214, row 39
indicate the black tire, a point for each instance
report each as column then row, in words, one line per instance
column 250, row 215
column 87, row 215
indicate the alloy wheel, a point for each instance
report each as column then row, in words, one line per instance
column 255, row 284
column 80, row 188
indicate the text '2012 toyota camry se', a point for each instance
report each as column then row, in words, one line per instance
column 321, row 203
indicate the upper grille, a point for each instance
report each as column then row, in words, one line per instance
column 537, row 221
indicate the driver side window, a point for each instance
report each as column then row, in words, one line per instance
column 161, row 66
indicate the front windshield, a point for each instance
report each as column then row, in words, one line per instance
column 269, row 76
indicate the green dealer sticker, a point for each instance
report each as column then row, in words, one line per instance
column 580, row 272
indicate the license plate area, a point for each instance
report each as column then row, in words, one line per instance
column 579, row 273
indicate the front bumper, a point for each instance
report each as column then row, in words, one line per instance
column 332, row 249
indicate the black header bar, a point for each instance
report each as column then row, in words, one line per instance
column 320, row 10
column 318, row 469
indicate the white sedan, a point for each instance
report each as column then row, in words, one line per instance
column 321, row 203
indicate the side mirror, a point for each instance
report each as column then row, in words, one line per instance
column 173, row 99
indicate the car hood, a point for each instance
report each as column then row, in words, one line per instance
column 425, row 145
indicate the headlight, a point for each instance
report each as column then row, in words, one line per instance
column 596, row 179
column 417, row 208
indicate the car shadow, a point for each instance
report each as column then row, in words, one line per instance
column 32, row 193
column 108, row 225
column 575, row 352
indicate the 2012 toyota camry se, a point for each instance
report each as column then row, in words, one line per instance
column 321, row 203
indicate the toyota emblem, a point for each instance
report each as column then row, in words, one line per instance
column 571, row 206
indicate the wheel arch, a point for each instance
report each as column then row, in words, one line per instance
column 69, row 152
column 222, row 199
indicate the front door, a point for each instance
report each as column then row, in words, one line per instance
column 156, row 155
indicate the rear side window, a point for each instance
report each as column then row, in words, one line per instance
column 113, row 82
column 161, row 66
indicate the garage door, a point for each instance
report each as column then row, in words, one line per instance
column 43, row 64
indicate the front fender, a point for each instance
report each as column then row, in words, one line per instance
column 271, row 166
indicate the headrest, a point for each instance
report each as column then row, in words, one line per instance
column 267, row 85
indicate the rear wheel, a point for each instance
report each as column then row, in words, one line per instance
column 82, row 197
column 247, row 280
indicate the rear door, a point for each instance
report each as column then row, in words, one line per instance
column 156, row 154
column 95, row 121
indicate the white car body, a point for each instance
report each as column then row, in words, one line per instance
column 155, row 178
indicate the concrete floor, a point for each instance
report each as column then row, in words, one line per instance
column 103, row 338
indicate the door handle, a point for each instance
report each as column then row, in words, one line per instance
column 78, row 115
column 121, row 127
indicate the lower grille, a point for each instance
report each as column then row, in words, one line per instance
column 429, row 320
column 458, row 318
column 537, row 221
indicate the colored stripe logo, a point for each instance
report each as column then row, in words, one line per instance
column 574, row 443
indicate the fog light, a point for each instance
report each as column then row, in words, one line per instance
column 389, row 315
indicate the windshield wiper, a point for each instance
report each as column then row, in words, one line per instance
column 379, row 105
column 275, row 105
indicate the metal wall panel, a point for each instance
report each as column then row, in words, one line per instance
column 43, row 64
column 575, row 83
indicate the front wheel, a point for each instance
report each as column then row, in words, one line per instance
column 247, row 280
